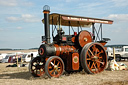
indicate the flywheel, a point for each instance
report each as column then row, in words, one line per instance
column 84, row 37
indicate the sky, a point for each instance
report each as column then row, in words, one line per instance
column 21, row 26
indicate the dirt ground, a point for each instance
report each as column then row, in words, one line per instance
column 21, row 76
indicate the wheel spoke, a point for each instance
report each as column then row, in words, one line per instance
column 94, row 48
column 89, row 64
column 58, row 71
column 96, row 52
column 101, row 62
column 98, row 65
column 100, row 53
column 91, row 52
column 52, row 71
column 59, row 67
column 88, row 59
column 96, row 70
column 50, row 67
column 89, row 55
column 58, row 63
column 101, row 57
column 92, row 65
column 97, row 49
column 33, row 68
column 54, row 62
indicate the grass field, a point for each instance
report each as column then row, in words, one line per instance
column 21, row 76
column 13, row 51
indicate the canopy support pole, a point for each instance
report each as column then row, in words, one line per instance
column 101, row 30
column 69, row 27
column 93, row 31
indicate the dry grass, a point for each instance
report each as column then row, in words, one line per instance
column 13, row 51
column 21, row 75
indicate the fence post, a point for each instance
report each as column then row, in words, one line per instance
column 17, row 59
column 21, row 59
column 114, row 53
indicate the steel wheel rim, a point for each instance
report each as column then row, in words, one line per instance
column 55, row 67
column 37, row 67
column 95, row 58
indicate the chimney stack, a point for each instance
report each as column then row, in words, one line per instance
column 46, row 11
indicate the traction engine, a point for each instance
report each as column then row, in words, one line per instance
column 69, row 53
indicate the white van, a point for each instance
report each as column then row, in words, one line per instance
column 27, row 56
column 2, row 56
column 5, row 60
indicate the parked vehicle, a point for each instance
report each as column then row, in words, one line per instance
column 8, row 58
column 11, row 57
column 119, row 53
column 2, row 56
column 27, row 56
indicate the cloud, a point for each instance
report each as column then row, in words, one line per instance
column 1, row 29
column 89, row 5
column 13, row 19
column 27, row 4
column 14, row 3
column 24, row 18
column 8, row 3
column 118, row 31
column 120, row 3
column 94, row 9
column 119, row 17
column 19, row 28
column 71, row 0
column 29, row 18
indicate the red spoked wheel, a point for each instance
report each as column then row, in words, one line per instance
column 36, row 67
column 54, row 66
column 93, row 58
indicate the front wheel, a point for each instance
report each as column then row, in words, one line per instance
column 118, row 59
column 36, row 67
column 54, row 67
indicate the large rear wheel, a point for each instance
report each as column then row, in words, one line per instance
column 54, row 66
column 93, row 58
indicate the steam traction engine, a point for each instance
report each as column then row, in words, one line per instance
column 72, row 52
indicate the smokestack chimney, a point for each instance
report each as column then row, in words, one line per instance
column 46, row 11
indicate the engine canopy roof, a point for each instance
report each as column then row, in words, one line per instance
column 75, row 21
